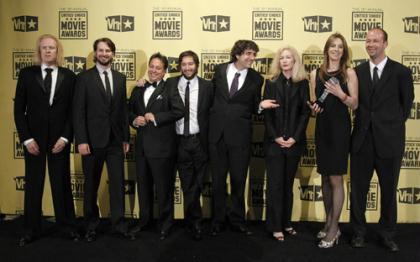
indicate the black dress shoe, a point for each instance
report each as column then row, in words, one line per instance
column 390, row 245
column 74, row 236
column 357, row 241
column 241, row 229
column 90, row 236
column 25, row 240
column 163, row 235
column 215, row 230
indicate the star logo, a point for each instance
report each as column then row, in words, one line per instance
column 223, row 24
column 173, row 65
column 127, row 24
column 79, row 65
column 31, row 24
column 325, row 24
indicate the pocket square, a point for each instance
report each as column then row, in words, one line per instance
column 159, row 97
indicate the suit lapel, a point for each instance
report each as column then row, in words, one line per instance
column 201, row 91
column 141, row 99
column 38, row 77
column 115, row 90
column 280, row 91
column 225, row 88
column 155, row 94
column 60, row 78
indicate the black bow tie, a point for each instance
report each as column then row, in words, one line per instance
column 154, row 84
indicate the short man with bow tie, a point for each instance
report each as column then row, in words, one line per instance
column 153, row 110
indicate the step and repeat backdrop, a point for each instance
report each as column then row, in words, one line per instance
column 140, row 28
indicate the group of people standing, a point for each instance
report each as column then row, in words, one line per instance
column 192, row 125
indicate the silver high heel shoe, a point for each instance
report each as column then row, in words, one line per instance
column 321, row 234
column 329, row 244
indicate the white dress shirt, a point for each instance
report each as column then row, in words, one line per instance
column 231, row 71
column 380, row 67
column 182, row 85
column 101, row 70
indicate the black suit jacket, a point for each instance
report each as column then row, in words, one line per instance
column 34, row 117
column 384, row 108
column 232, row 117
column 94, row 117
column 289, row 119
column 166, row 105
column 205, row 100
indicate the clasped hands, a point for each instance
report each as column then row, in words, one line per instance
column 142, row 120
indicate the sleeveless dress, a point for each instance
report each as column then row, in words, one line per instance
column 332, row 131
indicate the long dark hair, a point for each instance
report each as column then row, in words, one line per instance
column 344, row 61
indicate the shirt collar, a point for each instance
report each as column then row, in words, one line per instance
column 102, row 68
column 44, row 66
column 380, row 66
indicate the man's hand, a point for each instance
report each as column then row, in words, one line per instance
column 140, row 121
column 33, row 148
column 268, row 104
column 84, row 149
column 149, row 117
column 59, row 146
column 126, row 147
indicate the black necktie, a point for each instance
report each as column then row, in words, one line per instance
column 375, row 77
column 234, row 85
column 107, row 86
column 187, row 110
column 48, row 81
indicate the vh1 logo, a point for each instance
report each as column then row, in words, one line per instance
column 216, row 23
column 120, row 23
column 412, row 24
column 409, row 195
column 25, row 23
column 317, row 24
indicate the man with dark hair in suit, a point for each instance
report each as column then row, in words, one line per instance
column 42, row 112
column 386, row 95
column 237, row 95
column 102, row 135
column 192, row 131
column 153, row 110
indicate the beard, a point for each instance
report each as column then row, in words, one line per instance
column 191, row 77
column 105, row 63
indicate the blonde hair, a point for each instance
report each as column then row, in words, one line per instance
column 298, row 71
column 59, row 59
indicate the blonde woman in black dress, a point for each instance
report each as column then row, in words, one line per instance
column 332, row 131
column 285, row 136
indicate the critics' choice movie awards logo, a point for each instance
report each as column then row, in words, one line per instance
column 177, row 192
column 209, row 61
column 415, row 111
column 371, row 198
column 21, row 60
column 362, row 22
column 73, row 24
column 317, row 24
column 215, row 23
column 125, row 63
column 310, row 193
column 173, row 64
column 411, row 157
column 20, row 183
column 257, row 190
column 77, row 185
column 267, row 25
column 409, row 195
column 18, row 152
column 413, row 63
column 312, row 61
column 308, row 158
column 77, row 64
column 167, row 25
column 25, row 23
column 412, row 24
column 120, row 23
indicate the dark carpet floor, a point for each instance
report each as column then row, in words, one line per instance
column 229, row 246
